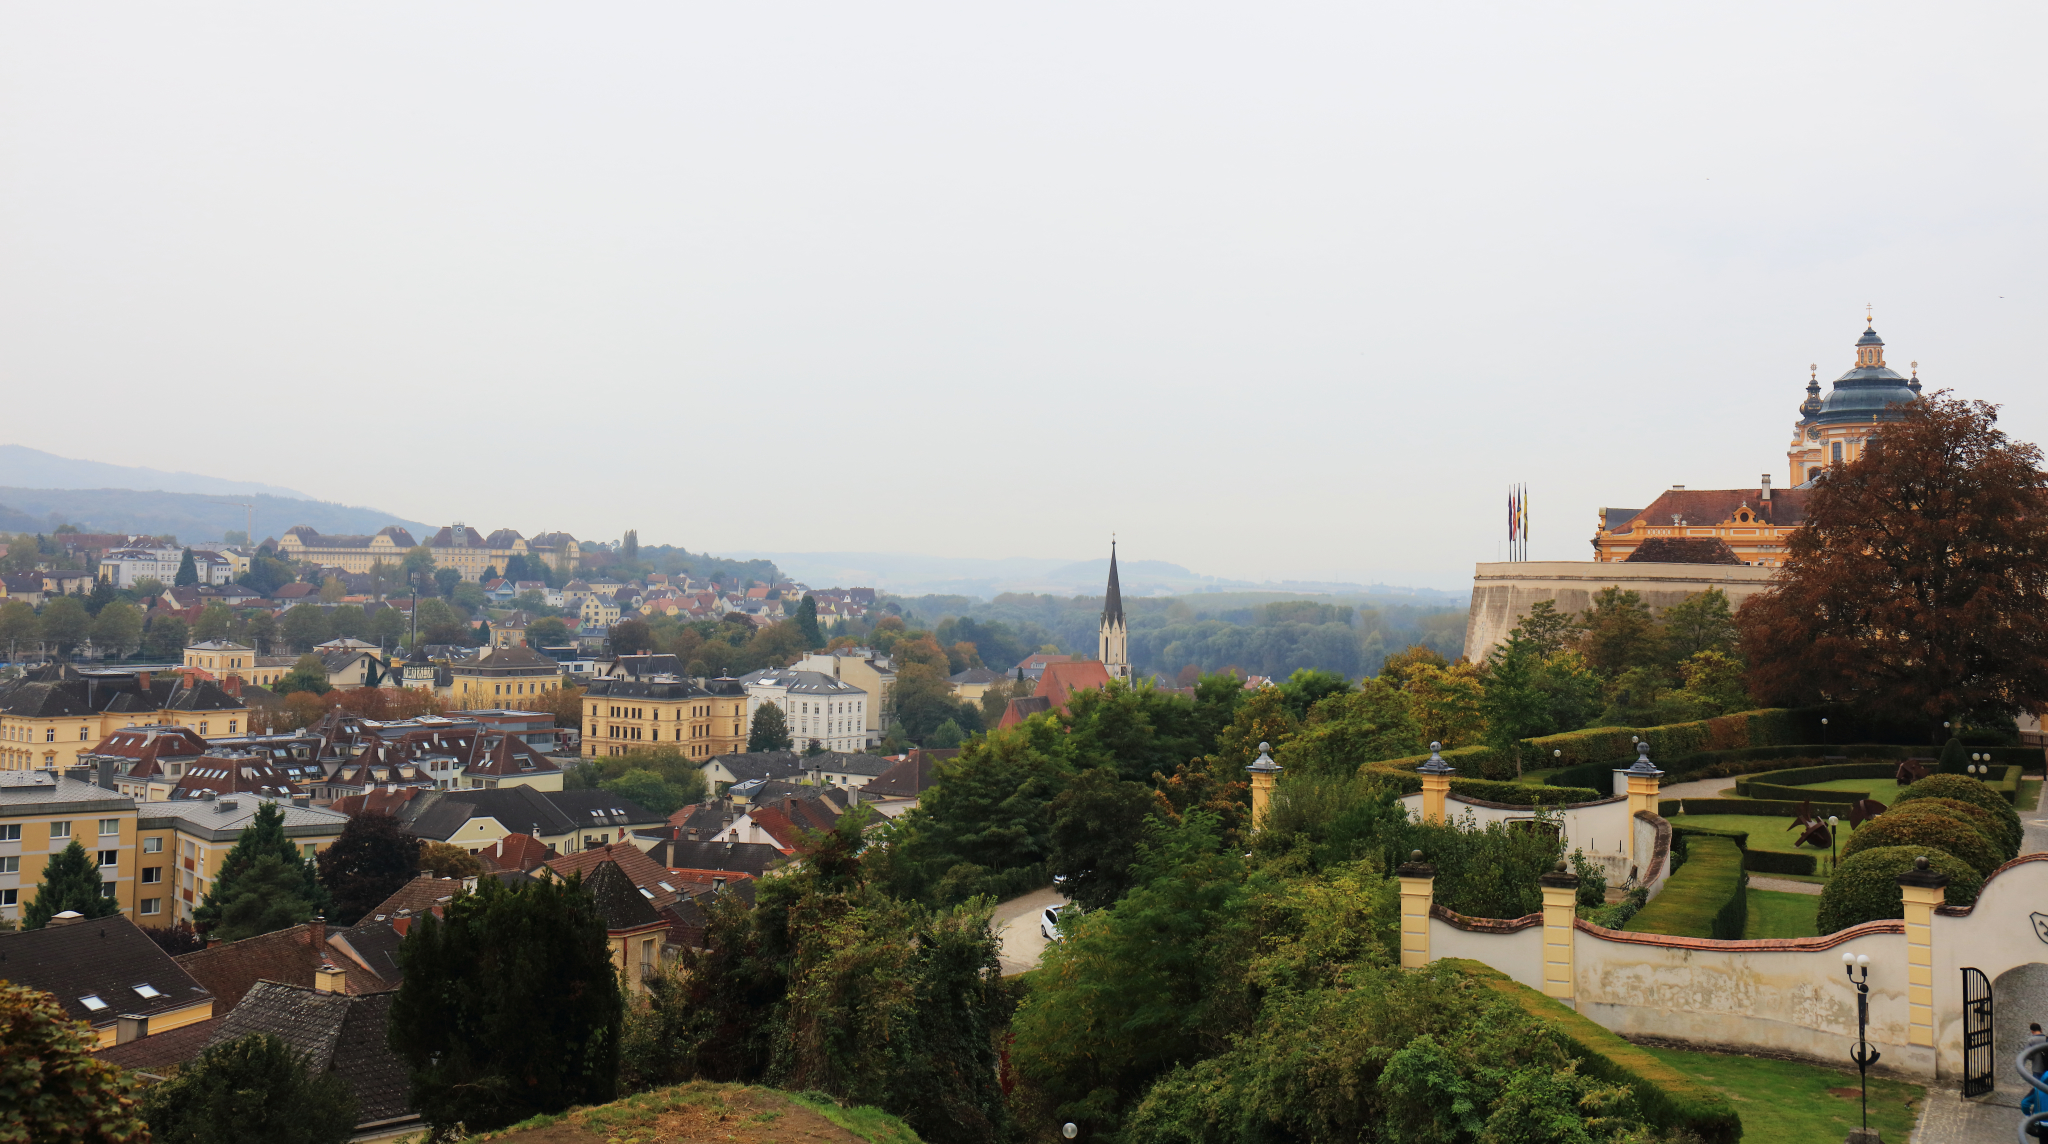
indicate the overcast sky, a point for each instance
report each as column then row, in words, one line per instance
column 1269, row 290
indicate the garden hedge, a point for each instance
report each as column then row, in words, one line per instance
column 1513, row 794
column 1865, row 887
column 1669, row 1099
column 1777, row 862
column 1707, row 897
column 1768, row 808
column 1963, row 788
column 1932, row 831
column 1985, row 822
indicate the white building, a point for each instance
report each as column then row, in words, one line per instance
column 819, row 708
column 124, row 566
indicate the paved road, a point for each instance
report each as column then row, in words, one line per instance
column 1016, row 924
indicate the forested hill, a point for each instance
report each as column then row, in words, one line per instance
column 1256, row 633
column 192, row 517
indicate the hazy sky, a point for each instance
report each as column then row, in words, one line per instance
column 1267, row 289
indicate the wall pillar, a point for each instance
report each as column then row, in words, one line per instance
column 1560, row 934
column 1265, row 773
column 1642, row 796
column 1921, row 890
column 1418, row 892
column 1436, row 785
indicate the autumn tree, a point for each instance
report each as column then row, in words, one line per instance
column 57, row 1090
column 1919, row 584
column 631, row 637
column 372, row 859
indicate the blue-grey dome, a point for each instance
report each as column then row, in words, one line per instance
column 1866, row 392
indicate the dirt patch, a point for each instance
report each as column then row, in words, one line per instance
column 1847, row 1093
column 689, row 1114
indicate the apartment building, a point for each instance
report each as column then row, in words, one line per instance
column 41, row 813
column 620, row 715
column 182, row 844
column 56, row 713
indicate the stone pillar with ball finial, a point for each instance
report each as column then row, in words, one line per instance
column 1265, row 772
column 1642, row 795
column 1418, row 892
column 1436, row 785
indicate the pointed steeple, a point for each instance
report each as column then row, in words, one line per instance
column 1113, row 600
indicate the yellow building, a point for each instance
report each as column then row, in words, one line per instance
column 458, row 546
column 51, row 716
column 1835, row 430
column 499, row 676
column 621, row 715
column 222, row 658
column 600, row 611
column 183, row 842
column 301, row 544
column 42, row 813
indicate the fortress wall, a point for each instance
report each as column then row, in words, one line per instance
column 1503, row 593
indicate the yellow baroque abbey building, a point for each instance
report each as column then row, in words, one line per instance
column 457, row 546
column 1752, row 525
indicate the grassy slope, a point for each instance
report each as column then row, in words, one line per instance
column 1789, row 1102
column 1692, row 897
column 1775, row 913
column 703, row 1111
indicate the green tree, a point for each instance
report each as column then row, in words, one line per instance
column 387, row 628
column 188, row 571
column 770, row 729
column 1700, row 622
column 71, row 881
column 18, row 624
column 547, row 632
column 445, row 580
column 447, row 860
column 305, row 625
column 348, row 621
column 1515, row 704
column 213, row 623
column 654, row 792
column 510, row 1006
column 165, row 641
column 1717, row 680
column 308, row 674
column 1346, row 729
column 631, row 637
column 807, row 623
column 66, row 623
column 332, row 590
column 418, row 566
column 372, row 859
column 987, row 815
column 1309, row 686
column 1620, row 632
column 263, row 879
column 1097, row 824
column 267, row 573
column 629, row 547
column 262, row 631
column 118, row 628
column 252, row 1090
column 1549, row 630
column 148, row 588
column 57, row 1090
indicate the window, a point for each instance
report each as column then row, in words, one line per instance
column 1837, row 452
column 147, row 992
column 9, row 897
column 92, row 1001
column 11, row 832
column 10, row 865
column 110, row 826
column 49, row 735
column 152, row 874
column 152, row 846
column 107, row 889
column 81, row 734
column 110, row 857
column 231, row 726
column 152, row 906
column 60, row 830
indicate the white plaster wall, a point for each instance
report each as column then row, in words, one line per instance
column 1599, row 827
column 1996, row 936
column 1796, row 1001
column 1646, row 845
column 1518, row 954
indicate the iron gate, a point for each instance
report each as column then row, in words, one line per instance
column 1976, row 1033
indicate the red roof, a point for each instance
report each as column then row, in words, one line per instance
column 521, row 852
column 777, row 825
column 1706, row 507
column 386, row 801
column 1061, row 680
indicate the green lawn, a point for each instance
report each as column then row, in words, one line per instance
column 1765, row 832
column 2030, row 795
column 1776, row 913
column 1786, row 1102
column 1885, row 791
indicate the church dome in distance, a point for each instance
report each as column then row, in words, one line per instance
column 1865, row 392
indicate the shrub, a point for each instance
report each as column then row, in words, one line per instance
column 1986, row 822
column 1777, row 862
column 1928, row 832
column 1865, row 887
column 1963, row 788
column 1707, row 898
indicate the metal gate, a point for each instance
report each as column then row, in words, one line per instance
column 1976, row 1033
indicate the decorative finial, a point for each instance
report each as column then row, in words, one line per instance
column 1436, row 764
column 1265, row 764
column 1916, row 367
column 1415, row 855
column 1643, row 766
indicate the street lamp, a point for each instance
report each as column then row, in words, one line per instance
column 1833, row 822
column 1862, row 1053
column 1823, row 733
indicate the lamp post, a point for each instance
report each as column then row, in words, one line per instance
column 1823, row 734
column 1862, row 1053
column 1833, row 822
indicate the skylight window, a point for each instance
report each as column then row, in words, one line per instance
column 666, row 886
column 147, row 991
column 645, row 892
column 92, row 1001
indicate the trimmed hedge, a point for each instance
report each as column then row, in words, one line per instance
column 1768, row 808
column 1512, row 794
column 1930, row 831
column 1706, row 898
column 1780, row 793
column 1670, row 1100
column 1963, row 788
column 1865, row 888
column 1775, row 862
column 1983, row 821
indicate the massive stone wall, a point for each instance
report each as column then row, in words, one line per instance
column 1503, row 593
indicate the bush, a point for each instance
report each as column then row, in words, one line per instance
column 1776, row 862
column 1707, row 898
column 1927, row 832
column 1985, row 822
column 1865, row 887
column 1404, row 777
column 1768, row 808
column 1963, row 788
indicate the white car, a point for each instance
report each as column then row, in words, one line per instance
column 1049, row 922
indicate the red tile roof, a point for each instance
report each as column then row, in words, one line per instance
column 1061, row 680
column 231, row 969
column 1705, row 507
column 521, row 852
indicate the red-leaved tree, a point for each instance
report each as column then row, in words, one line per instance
column 1918, row 586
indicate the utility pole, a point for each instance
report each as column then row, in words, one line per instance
column 248, row 521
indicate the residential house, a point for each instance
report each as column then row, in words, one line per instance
column 867, row 669
column 218, row 659
column 26, row 587
column 634, row 929
column 970, row 685
column 906, row 780
column 568, row 821
column 1033, row 666
column 225, row 771
column 125, row 567
column 494, row 676
column 292, row 956
column 621, row 714
column 818, row 708
column 144, row 763
column 729, row 856
column 107, row 974
column 1055, row 687
column 55, row 713
column 42, row 813
column 184, row 842
column 341, row 1034
column 727, row 770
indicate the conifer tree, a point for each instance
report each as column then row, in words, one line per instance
column 244, row 875
column 374, row 856
column 188, row 571
column 807, row 623
column 70, row 882
column 770, row 731
column 252, row 1088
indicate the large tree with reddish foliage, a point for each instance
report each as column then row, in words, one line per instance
column 1918, row 587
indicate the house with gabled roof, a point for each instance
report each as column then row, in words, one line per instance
column 340, row 1034
column 106, row 973
column 634, row 929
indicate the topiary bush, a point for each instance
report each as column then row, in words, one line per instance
column 1963, row 788
column 1927, row 832
column 1954, row 757
column 1986, row 821
column 1865, row 887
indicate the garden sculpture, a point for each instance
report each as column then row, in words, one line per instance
column 1863, row 810
column 1818, row 836
column 1911, row 771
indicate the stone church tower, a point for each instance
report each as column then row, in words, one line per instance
column 1113, row 639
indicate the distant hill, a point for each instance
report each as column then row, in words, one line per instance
column 192, row 517
column 26, row 468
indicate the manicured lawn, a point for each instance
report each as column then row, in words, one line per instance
column 1765, row 833
column 1786, row 1102
column 1776, row 913
column 1885, row 791
column 2030, row 795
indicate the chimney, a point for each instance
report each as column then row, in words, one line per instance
column 1765, row 492
column 131, row 1027
column 107, row 772
column 142, row 680
column 316, row 931
column 233, row 686
column 330, row 978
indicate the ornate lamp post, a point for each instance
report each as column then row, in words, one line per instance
column 1833, row 822
column 1862, row 1053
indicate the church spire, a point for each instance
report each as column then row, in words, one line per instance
column 1113, row 600
column 1113, row 639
